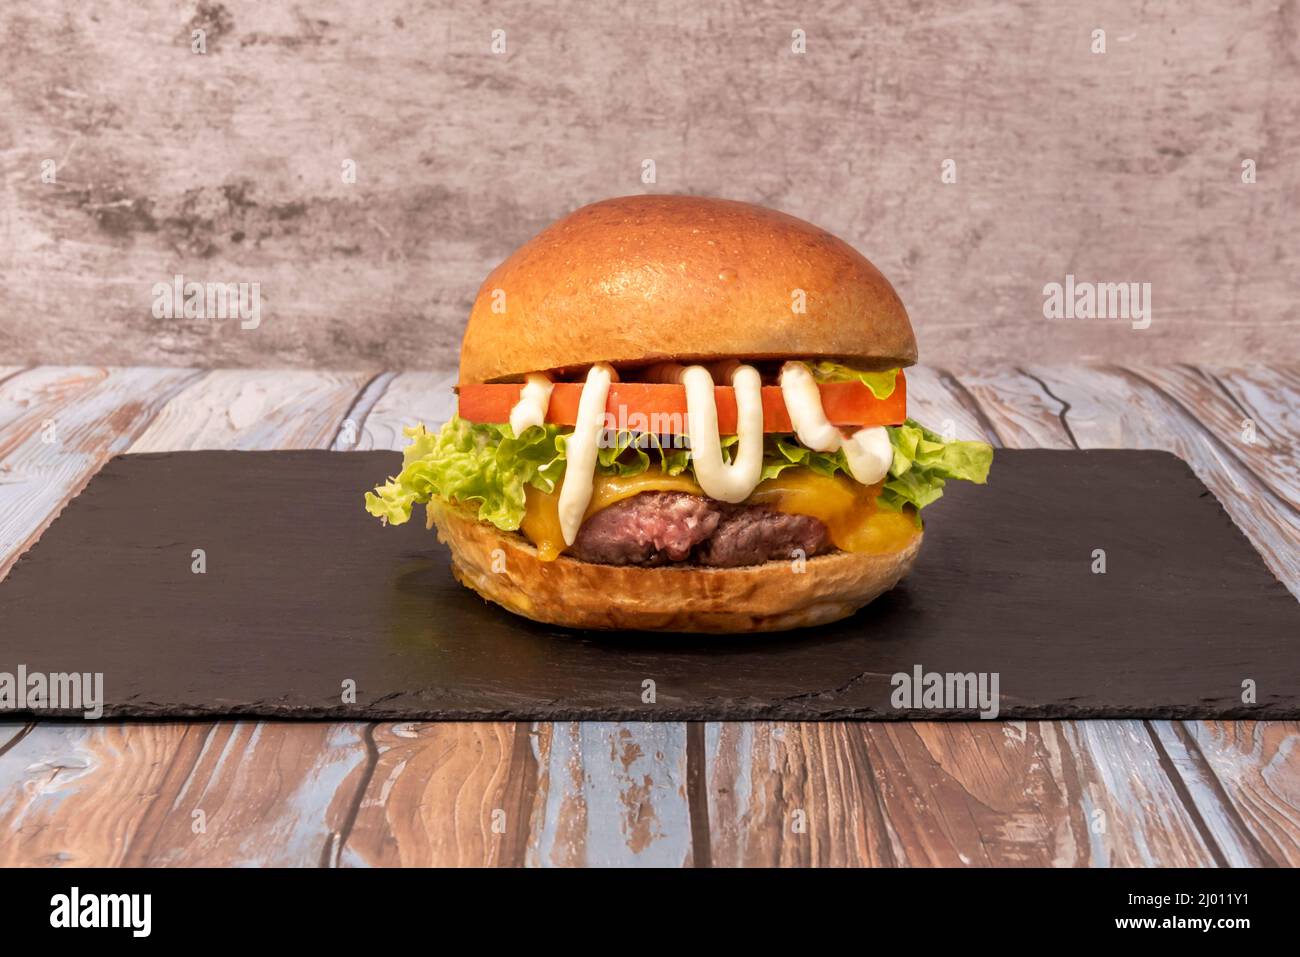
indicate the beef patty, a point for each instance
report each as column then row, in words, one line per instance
column 657, row 528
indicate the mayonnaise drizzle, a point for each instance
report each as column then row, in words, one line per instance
column 867, row 451
column 534, row 399
column 736, row 481
column 869, row 454
column 580, row 451
column 803, row 402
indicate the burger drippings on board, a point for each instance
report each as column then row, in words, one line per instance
column 681, row 414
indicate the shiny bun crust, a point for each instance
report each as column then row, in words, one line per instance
column 576, row 594
column 646, row 278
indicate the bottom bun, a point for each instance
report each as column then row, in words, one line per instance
column 504, row 568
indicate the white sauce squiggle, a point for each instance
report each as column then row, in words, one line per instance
column 580, row 451
column 868, row 451
column 803, row 401
column 736, row 481
column 869, row 454
column 534, row 399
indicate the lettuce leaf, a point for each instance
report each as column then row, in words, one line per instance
column 924, row 462
column 881, row 384
column 488, row 465
column 627, row 455
column 781, row 452
column 483, row 464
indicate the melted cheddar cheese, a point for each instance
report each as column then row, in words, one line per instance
column 847, row 509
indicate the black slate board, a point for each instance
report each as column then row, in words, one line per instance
column 304, row 590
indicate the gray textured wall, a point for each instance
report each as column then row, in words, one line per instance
column 227, row 166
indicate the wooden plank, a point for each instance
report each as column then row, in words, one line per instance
column 11, row 732
column 1255, row 438
column 1038, row 793
column 611, row 794
column 937, row 400
column 1269, row 399
column 102, row 796
column 562, row 829
column 266, row 794
column 495, row 793
column 1123, row 791
column 410, row 399
column 72, row 794
column 445, row 795
column 348, row 435
column 794, row 794
column 1253, row 768
column 255, row 409
column 1019, row 406
column 60, row 425
column 946, row 794
column 171, row 793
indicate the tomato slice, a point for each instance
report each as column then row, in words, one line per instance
column 661, row 408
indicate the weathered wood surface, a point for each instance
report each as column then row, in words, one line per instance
column 1252, row 765
column 228, row 165
column 1061, row 793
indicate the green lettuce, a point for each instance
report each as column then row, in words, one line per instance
column 881, row 384
column 781, row 452
column 924, row 462
column 488, row 466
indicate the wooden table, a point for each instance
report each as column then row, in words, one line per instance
column 331, row 794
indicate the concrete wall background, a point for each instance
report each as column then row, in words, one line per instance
column 227, row 166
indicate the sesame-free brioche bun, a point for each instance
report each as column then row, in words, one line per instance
column 504, row 568
column 642, row 279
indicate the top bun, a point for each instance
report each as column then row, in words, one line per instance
column 642, row 279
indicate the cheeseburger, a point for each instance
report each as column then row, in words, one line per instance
column 681, row 414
